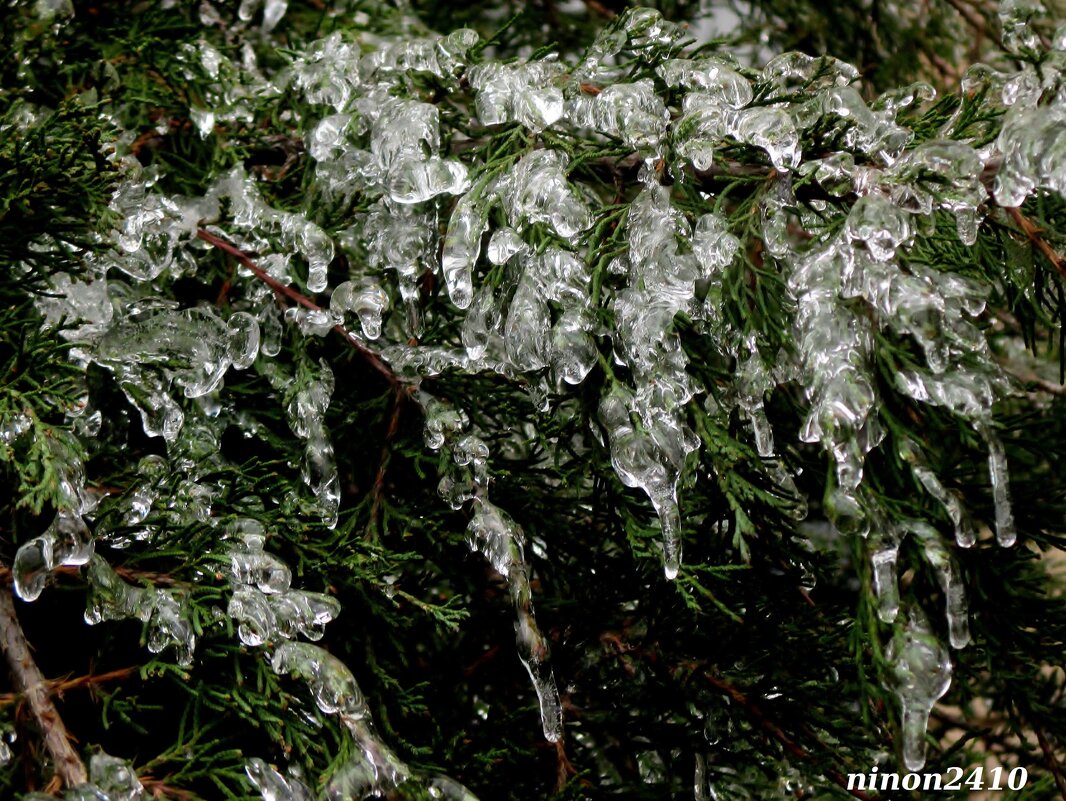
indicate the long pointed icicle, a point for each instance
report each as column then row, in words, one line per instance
column 1006, row 534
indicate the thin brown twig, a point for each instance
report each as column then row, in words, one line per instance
column 60, row 686
column 128, row 573
column 282, row 290
column 69, row 769
column 157, row 788
column 1052, row 762
column 386, row 452
column 775, row 731
column 1034, row 234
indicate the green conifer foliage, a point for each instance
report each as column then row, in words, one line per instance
column 531, row 401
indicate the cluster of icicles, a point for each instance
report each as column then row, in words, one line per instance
column 536, row 322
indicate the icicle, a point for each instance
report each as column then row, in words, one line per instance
column 920, row 672
column 502, row 541
column 885, row 545
column 1006, row 535
column 965, row 533
column 367, row 299
column 947, row 576
column 274, row 786
column 528, row 326
column 462, row 246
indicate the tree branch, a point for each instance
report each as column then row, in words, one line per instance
column 1052, row 763
column 1038, row 241
column 284, row 291
column 29, row 682
column 62, row 685
column 775, row 731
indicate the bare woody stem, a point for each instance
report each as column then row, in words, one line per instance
column 32, row 685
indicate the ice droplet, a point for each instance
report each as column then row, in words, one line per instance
column 366, row 298
column 919, row 673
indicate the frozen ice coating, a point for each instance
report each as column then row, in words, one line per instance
column 365, row 298
column 67, row 539
column 375, row 768
column 537, row 191
column 871, row 132
column 275, row 787
column 522, row 93
column 462, row 244
column 112, row 598
column 716, row 78
column 649, row 455
column 1006, row 534
column 920, row 671
column 813, row 72
column 633, row 112
column 707, row 118
column 881, row 226
column 527, row 330
column 333, row 686
column 573, row 350
column 1014, row 19
column 965, row 532
column 552, row 308
column 949, row 578
column 502, row 542
column 110, row 779
column 1033, row 143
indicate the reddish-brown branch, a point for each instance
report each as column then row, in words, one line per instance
column 1038, row 241
column 775, row 731
column 284, row 291
column 1052, row 762
column 386, row 452
column 128, row 573
column 60, row 686
column 69, row 769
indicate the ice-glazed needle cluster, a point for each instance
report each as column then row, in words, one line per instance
column 561, row 285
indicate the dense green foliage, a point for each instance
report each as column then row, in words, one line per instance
column 765, row 657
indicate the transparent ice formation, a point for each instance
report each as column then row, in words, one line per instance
column 264, row 605
column 499, row 539
column 920, row 672
column 110, row 779
column 374, row 769
column 522, row 93
column 507, row 234
column 163, row 612
column 67, row 540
